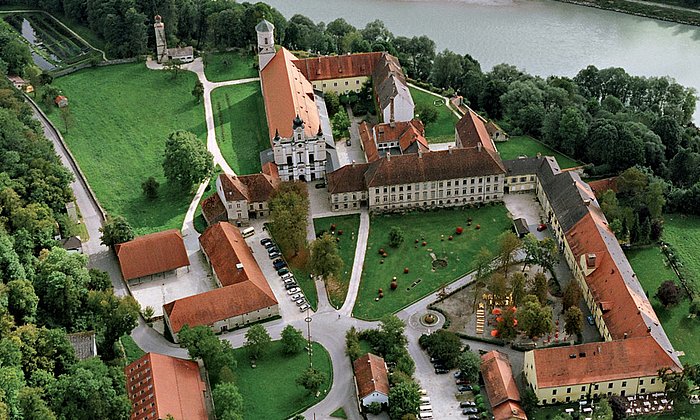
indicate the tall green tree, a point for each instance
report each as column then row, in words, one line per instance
column 573, row 321
column 33, row 405
column 469, row 363
column 289, row 211
column 201, row 343
column 540, row 288
column 293, row 341
column 325, row 259
column 572, row 295
column 187, row 160
column 116, row 230
column 312, row 379
column 198, row 91
column 508, row 244
column 228, row 402
column 396, row 237
column 404, row 398
column 115, row 317
column 257, row 342
column 534, row 318
column 22, row 301
column 517, row 287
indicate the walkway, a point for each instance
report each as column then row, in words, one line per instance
column 360, row 250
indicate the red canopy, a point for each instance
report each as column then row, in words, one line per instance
column 496, row 311
column 494, row 333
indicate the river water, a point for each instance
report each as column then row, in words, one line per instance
column 540, row 36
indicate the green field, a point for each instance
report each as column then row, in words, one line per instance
column 132, row 350
column 684, row 333
column 434, row 228
column 122, row 116
column 223, row 66
column 683, row 233
column 349, row 225
column 525, row 145
column 269, row 390
column 442, row 130
column 241, row 127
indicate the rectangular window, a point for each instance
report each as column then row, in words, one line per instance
column 440, row 184
column 400, row 197
column 568, row 390
column 449, row 183
column 610, row 385
column 401, row 188
column 335, row 84
column 595, row 387
column 624, row 383
column 554, row 392
column 653, row 380
column 641, row 382
column 488, row 188
column 583, row 389
column 472, row 180
column 523, row 179
column 346, row 83
column 471, row 190
column 408, row 188
column 393, row 189
column 488, row 179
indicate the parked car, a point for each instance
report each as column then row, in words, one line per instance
column 293, row 290
column 457, row 374
column 470, row 410
column 290, row 286
column 274, row 255
column 320, row 185
column 282, row 271
column 269, row 244
column 272, row 250
column 301, row 301
column 440, row 371
column 439, row 366
column 265, row 241
column 465, row 404
column 304, row 307
column 288, row 276
column 288, row 280
column 423, row 391
column 296, row 297
column 462, row 381
column 463, row 388
column 279, row 265
column 473, row 417
column 425, row 400
column 541, row 227
column 590, row 320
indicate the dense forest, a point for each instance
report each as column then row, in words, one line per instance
column 46, row 292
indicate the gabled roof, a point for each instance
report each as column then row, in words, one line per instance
column 152, row 254
column 287, row 94
column 178, row 388
column 338, row 66
column 245, row 290
column 389, row 80
column 253, row 188
column 213, row 209
column 471, row 131
column 264, row 26
column 602, row 361
column 349, row 178
column 84, row 344
column 523, row 166
column 407, row 133
column 602, row 185
column 498, row 378
column 370, row 375
column 368, row 144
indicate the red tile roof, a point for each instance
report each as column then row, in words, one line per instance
column 368, row 144
column 255, row 188
column 498, row 378
column 245, row 290
column 270, row 169
column 213, row 209
column 338, row 66
column 603, row 361
column 152, row 254
column 349, row 178
column 371, row 375
column 471, row 131
column 602, row 185
column 405, row 132
column 287, row 93
column 177, row 388
column 509, row 410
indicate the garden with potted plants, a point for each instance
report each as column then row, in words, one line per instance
column 412, row 255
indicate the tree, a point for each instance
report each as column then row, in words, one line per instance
column 469, row 363
column 33, row 406
column 66, row 117
column 332, row 102
column 198, row 91
column 257, row 341
column 150, row 188
column 293, row 340
column 572, row 295
column 187, row 160
column 391, row 330
column 201, row 343
column 534, row 319
column 498, row 286
column 340, row 123
column 312, row 379
column 11, row 382
column 22, row 301
column 602, row 410
column 508, row 243
column 540, row 288
column 444, row 346
column 669, row 294
column 99, row 280
column 517, row 287
column 325, row 258
column 506, row 327
column 228, row 402
column 618, row 407
column 404, row 398
column 427, row 113
column 90, row 390
column 116, row 230
column 573, row 321
column 395, row 237
column 289, row 210
column 529, row 400
column 115, row 316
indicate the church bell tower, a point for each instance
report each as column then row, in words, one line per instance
column 266, row 42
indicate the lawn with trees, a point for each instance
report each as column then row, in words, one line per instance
column 344, row 229
column 683, row 233
column 232, row 65
column 434, row 230
column 270, row 389
column 527, row 146
column 443, row 129
column 241, row 127
column 121, row 124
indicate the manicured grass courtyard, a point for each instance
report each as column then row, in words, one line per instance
column 349, row 225
column 527, row 146
column 683, row 233
column 223, row 66
column 684, row 333
column 434, row 228
column 270, row 390
column 241, row 127
column 442, row 130
column 122, row 116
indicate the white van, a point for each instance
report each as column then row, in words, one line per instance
column 426, row 407
column 248, row 232
column 424, row 400
column 426, row 415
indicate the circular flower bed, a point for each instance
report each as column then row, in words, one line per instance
column 429, row 319
column 439, row 263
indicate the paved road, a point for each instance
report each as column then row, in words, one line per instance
column 360, row 250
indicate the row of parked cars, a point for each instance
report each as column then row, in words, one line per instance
column 425, row 410
column 290, row 284
column 468, row 407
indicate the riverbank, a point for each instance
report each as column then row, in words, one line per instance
column 659, row 11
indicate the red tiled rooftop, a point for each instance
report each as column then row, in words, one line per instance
column 338, row 66
column 371, row 375
column 152, row 254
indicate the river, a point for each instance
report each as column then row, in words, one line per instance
column 540, row 36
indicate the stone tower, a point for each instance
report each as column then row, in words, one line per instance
column 266, row 42
column 161, row 43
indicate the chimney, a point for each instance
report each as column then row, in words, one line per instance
column 391, row 110
column 388, row 156
column 478, row 147
column 590, row 260
column 239, row 266
column 624, row 336
column 649, row 329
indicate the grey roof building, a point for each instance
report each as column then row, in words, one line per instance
column 84, row 344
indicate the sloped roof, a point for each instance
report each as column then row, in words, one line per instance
column 177, row 386
column 245, row 290
column 601, row 361
column 498, row 378
column 509, row 410
column 523, row 166
column 349, row 178
column 152, row 254
column 287, row 93
column 84, row 344
column 389, row 80
column 264, row 26
column 368, row 144
column 370, row 375
column 338, row 66
column 471, row 130
column 213, row 208
column 234, row 189
column 602, row 185
column 405, row 132
column 252, row 188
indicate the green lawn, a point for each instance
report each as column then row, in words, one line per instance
column 241, row 127
column 223, row 66
column 122, row 116
column 269, row 390
column 339, row 413
column 349, row 225
column 684, row 333
column 683, row 232
column 429, row 227
column 442, row 130
column 526, row 145
column 131, row 349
